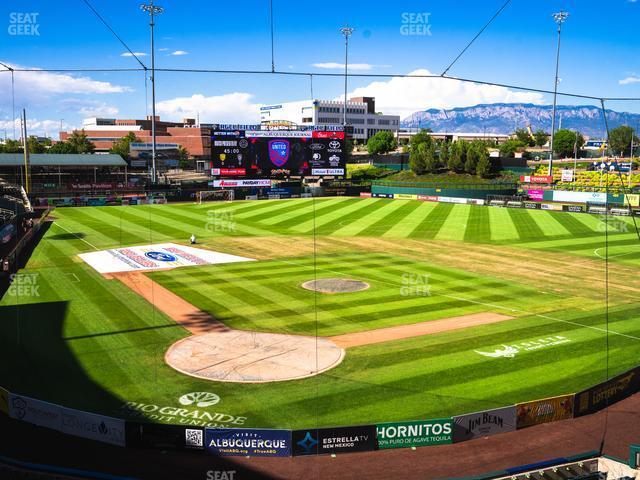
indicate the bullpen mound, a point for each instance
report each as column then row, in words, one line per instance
column 335, row 285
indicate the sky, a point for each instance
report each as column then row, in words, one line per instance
column 599, row 56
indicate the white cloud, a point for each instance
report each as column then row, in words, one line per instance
column 404, row 96
column 352, row 66
column 629, row 80
column 137, row 54
column 179, row 53
column 35, row 126
column 234, row 107
column 87, row 107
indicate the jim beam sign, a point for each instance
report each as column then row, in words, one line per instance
column 483, row 424
column 607, row 393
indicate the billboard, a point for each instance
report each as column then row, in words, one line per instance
column 278, row 153
column 543, row 411
column 414, row 434
column 579, row 197
column 35, row 411
column 170, row 437
column 535, row 194
column 596, row 398
column 482, row 424
column 567, row 175
column 242, row 183
column 248, row 442
column 334, row 440
column 536, row 178
column 93, row 426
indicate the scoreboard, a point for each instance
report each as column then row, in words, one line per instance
column 277, row 153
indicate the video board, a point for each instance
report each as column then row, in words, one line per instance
column 277, row 153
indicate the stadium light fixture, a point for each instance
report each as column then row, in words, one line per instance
column 559, row 17
column 347, row 32
column 152, row 10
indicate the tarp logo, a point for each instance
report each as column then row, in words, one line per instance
column 160, row 256
column 200, row 399
column 279, row 151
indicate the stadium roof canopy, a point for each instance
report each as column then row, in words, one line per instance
column 62, row 159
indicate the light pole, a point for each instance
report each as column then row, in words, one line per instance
column 346, row 31
column 152, row 10
column 559, row 18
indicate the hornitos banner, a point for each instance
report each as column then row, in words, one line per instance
column 155, row 257
column 414, row 434
column 35, row 411
column 4, row 401
column 483, row 424
column 93, row 426
column 596, row 398
column 248, row 442
column 334, row 440
column 543, row 411
column 579, row 197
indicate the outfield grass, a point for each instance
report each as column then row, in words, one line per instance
column 91, row 343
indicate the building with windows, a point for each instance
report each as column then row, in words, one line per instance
column 361, row 115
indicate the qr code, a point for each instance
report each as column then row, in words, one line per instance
column 193, row 438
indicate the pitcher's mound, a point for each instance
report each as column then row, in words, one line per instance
column 335, row 285
column 249, row 357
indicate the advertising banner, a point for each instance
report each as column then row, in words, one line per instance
column 164, row 437
column 334, row 440
column 228, row 172
column 35, row 411
column 248, row 442
column 365, row 194
column 531, row 205
column 543, row 411
column 405, row 196
column 573, row 208
column 327, row 171
column 382, row 195
column 452, row 199
column 483, row 424
column 632, row 199
column 428, row 198
column 536, row 194
column 94, row 427
column 567, row 175
column 4, row 401
column 243, row 183
column 579, row 197
column 596, row 398
column 414, row 434
column 536, row 178
column 550, row 206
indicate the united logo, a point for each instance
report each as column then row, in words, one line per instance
column 279, row 152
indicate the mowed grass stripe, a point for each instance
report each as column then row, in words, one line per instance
column 527, row 228
column 284, row 208
column 478, row 225
column 454, row 226
column 391, row 219
column 432, row 223
column 353, row 228
column 330, row 221
column 98, row 229
column 366, row 208
column 316, row 209
column 408, row 224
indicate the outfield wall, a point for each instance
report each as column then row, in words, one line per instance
column 471, row 192
column 318, row 441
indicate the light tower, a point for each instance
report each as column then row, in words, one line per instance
column 559, row 18
column 152, row 10
column 346, row 31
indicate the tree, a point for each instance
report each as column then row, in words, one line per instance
column 475, row 151
column 620, row 139
column 511, row 146
column 484, row 167
column 36, row 146
column 541, row 137
column 12, row 146
column 122, row 146
column 417, row 151
column 431, row 163
column 183, row 158
column 444, row 153
column 80, row 143
column 61, row 147
column 523, row 135
column 381, row 142
column 348, row 149
column 458, row 156
column 565, row 141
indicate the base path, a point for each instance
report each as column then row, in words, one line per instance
column 417, row 329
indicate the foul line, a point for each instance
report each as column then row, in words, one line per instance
column 77, row 236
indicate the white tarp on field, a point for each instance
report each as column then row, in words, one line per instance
column 155, row 257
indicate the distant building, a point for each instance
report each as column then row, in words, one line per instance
column 195, row 139
column 361, row 115
column 453, row 136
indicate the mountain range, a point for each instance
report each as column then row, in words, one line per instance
column 506, row 117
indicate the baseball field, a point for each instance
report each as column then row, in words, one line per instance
column 530, row 284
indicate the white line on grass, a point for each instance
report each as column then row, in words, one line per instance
column 77, row 236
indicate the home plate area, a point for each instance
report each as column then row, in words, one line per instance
column 252, row 357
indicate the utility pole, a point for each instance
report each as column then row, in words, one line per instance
column 559, row 18
column 152, row 10
column 25, row 149
column 346, row 31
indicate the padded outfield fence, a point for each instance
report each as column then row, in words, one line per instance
column 319, row 441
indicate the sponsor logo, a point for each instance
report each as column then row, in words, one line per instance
column 609, row 391
column 334, row 144
column 334, row 160
column 279, row 151
column 318, row 146
column 243, row 143
column 510, row 351
column 316, row 156
column 19, row 406
column 307, row 443
column 160, row 256
column 200, row 399
column 327, row 171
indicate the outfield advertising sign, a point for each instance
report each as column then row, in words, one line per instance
column 35, row 411
column 169, row 437
column 248, row 442
column 334, row 440
column 611, row 391
column 93, row 426
column 4, row 401
column 414, row 434
column 483, row 424
column 579, row 197
column 544, row 411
